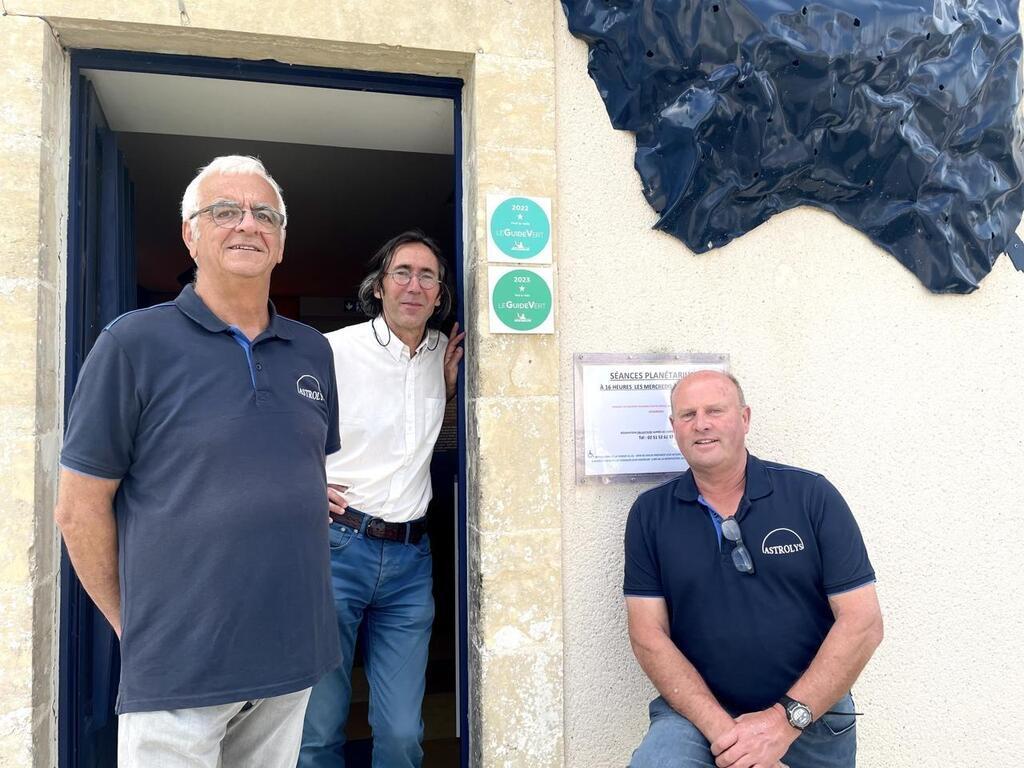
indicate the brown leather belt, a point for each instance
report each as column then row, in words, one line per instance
column 376, row 528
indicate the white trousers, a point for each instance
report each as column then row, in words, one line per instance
column 263, row 733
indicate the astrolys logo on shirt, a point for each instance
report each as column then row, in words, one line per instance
column 309, row 387
column 782, row 541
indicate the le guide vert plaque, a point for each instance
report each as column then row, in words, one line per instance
column 623, row 434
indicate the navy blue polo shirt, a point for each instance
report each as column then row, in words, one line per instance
column 222, row 508
column 750, row 636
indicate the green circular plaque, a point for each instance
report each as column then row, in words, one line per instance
column 522, row 300
column 520, row 228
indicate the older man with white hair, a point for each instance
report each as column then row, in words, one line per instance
column 193, row 499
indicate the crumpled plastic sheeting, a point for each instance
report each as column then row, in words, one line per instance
column 899, row 116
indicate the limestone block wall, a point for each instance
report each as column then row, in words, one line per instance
column 513, row 442
column 33, row 131
column 909, row 402
column 504, row 52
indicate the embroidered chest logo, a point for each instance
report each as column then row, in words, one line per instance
column 309, row 387
column 782, row 541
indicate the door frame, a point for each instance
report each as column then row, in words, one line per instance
column 72, row 598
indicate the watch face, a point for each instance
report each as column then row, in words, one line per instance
column 800, row 716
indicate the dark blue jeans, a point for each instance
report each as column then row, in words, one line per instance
column 674, row 742
column 387, row 585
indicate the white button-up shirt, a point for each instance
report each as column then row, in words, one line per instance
column 391, row 407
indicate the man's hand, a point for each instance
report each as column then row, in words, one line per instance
column 452, row 357
column 336, row 503
column 759, row 739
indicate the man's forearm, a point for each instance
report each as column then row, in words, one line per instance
column 93, row 552
column 842, row 656
column 767, row 734
column 89, row 529
column 856, row 632
column 681, row 685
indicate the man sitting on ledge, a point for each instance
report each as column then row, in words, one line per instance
column 751, row 600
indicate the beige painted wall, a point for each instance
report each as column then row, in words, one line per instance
column 910, row 403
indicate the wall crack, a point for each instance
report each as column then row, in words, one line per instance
column 46, row 21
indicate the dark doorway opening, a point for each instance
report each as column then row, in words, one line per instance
column 343, row 202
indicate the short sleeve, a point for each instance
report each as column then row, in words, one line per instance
column 844, row 558
column 642, row 573
column 104, row 413
column 333, row 428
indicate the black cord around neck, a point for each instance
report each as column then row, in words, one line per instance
column 430, row 347
column 373, row 324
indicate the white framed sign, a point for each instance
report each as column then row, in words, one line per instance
column 622, row 408
column 518, row 229
column 522, row 299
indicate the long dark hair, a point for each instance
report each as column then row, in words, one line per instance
column 380, row 263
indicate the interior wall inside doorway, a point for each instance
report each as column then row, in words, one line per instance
column 342, row 205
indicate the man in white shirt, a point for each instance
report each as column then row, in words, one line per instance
column 394, row 377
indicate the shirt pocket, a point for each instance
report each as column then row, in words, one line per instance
column 433, row 417
column 352, row 424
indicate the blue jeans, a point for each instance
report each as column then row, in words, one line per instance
column 674, row 742
column 387, row 585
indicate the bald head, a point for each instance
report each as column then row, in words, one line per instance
column 721, row 374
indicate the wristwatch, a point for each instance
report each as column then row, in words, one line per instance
column 797, row 713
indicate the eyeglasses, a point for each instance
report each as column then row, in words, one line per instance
column 403, row 277
column 229, row 215
column 740, row 554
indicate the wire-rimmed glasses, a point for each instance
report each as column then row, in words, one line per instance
column 230, row 215
column 403, row 277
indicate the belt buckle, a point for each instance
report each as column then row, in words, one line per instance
column 376, row 528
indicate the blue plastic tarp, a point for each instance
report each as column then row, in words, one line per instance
column 900, row 117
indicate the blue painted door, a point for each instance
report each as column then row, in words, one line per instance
column 101, row 286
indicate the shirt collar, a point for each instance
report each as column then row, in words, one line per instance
column 395, row 346
column 278, row 326
column 758, row 484
column 192, row 306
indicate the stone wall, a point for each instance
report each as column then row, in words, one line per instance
column 33, row 216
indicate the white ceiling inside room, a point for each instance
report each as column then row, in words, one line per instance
column 138, row 102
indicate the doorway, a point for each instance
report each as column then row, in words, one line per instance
column 360, row 157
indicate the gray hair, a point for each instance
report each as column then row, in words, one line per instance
column 380, row 263
column 226, row 165
column 729, row 376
